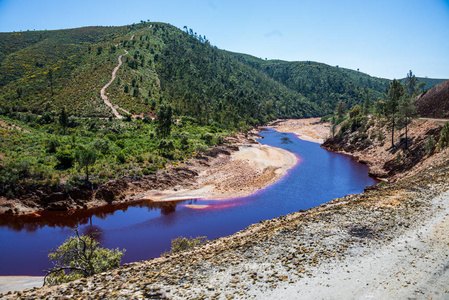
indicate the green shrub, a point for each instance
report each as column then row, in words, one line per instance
column 430, row 144
column 208, row 137
column 120, row 143
column 444, row 137
column 121, row 157
column 65, row 158
column 355, row 111
column 181, row 243
column 52, row 145
column 80, row 256
column 112, row 137
column 101, row 145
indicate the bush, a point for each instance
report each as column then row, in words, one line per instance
column 101, row 145
column 430, row 145
column 444, row 137
column 121, row 158
column 181, row 243
column 65, row 158
column 80, row 256
column 355, row 111
column 52, row 145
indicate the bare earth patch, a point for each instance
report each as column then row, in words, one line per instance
column 242, row 173
column 310, row 129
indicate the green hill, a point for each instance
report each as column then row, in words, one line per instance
column 163, row 64
column 321, row 84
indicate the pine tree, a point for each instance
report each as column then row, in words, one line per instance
column 63, row 119
column 394, row 94
column 164, row 120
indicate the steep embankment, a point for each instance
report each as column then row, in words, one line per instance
column 372, row 146
column 434, row 103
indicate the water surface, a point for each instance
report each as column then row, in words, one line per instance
column 146, row 229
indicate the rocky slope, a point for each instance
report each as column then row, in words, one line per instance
column 373, row 147
column 434, row 103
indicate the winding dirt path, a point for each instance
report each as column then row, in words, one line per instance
column 103, row 89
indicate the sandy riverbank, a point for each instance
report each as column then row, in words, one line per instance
column 310, row 129
column 252, row 168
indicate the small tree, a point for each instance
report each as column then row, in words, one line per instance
column 407, row 111
column 421, row 86
column 394, row 94
column 430, row 145
column 333, row 128
column 65, row 158
column 410, row 83
column 341, row 109
column 164, row 120
column 63, row 119
column 366, row 105
column 444, row 137
column 50, row 80
column 354, row 112
column 80, row 256
column 85, row 158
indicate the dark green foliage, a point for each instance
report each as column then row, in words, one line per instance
column 86, row 158
column 320, row 83
column 355, row 111
column 407, row 111
column 410, row 83
column 444, row 137
column 63, row 119
column 65, row 158
column 52, row 145
column 341, row 109
column 12, row 176
column 102, row 146
column 164, row 120
column 430, row 145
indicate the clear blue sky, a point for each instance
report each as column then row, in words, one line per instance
column 384, row 38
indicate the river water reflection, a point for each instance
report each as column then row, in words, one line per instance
column 145, row 229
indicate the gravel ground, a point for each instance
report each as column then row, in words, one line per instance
column 388, row 243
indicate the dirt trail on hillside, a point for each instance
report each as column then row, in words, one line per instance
column 103, row 89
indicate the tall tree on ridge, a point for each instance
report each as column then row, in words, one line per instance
column 394, row 94
column 407, row 111
column 410, row 82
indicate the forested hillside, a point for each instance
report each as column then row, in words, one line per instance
column 321, row 84
column 164, row 64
